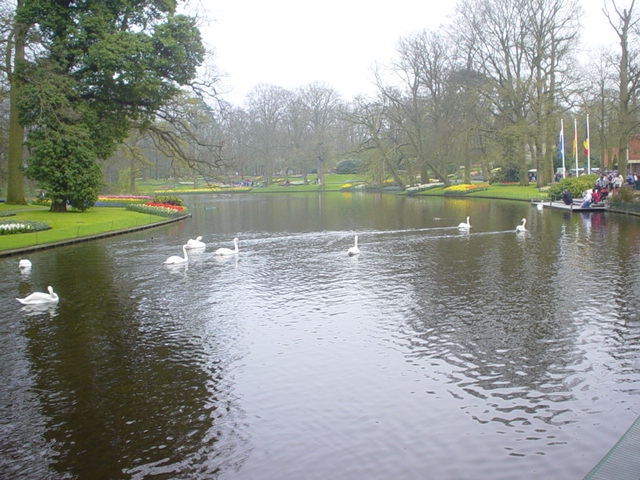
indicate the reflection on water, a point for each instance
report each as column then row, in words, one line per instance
column 503, row 352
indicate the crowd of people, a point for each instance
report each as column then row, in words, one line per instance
column 606, row 184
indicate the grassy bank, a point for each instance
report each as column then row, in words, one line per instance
column 70, row 225
column 508, row 192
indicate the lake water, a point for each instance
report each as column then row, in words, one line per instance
column 433, row 354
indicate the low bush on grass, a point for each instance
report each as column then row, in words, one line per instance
column 575, row 185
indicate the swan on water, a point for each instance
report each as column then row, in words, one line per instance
column 464, row 226
column 24, row 264
column 197, row 243
column 176, row 260
column 228, row 251
column 38, row 298
column 520, row 228
column 354, row 250
column 540, row 206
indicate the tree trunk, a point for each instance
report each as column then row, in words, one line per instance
column 59, row 207
column 15, row 179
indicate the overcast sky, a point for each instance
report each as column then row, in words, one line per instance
column 291, row 43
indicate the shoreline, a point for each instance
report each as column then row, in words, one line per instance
column 86, row 238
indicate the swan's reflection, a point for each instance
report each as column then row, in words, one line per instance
column 36, row 310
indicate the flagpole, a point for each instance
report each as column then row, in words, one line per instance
column 564, row 167
column 588, row 148
column 575, row 142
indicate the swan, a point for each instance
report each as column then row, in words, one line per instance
column 520, row 228
column 228, row 251
column 197, row 243
column 39, row 298
column 354, row 250
column 540, row 206
column 175, row 260
column 24, row 264
column 464, row 226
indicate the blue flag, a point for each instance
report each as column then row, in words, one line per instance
column 561, row 143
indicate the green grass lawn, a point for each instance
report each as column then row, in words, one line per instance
column 70, row 224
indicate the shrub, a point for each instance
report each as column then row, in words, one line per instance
column 507, row 174
column 167, row 200
column 575, row 185
column 348, row 167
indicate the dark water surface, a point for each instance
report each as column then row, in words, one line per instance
column 433, row 354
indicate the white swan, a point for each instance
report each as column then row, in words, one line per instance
column 228, row 251
column 24, row 264
column 354, row 250
column 175, row 260
column 540, row 206
column 520, row 228
column 464, row 226
column 197, row 243
column 38, row 298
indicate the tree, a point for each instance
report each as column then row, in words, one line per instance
column 14, row 59
column 626, row 24
column 101, row 67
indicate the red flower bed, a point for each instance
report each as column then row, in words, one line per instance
column 164, row 205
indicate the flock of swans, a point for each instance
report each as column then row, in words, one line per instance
column 199, row 245
column 466, row 226
column 39, row 298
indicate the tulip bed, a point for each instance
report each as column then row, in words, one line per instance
column 160, row 209
column 8, row 227
column 465, row 188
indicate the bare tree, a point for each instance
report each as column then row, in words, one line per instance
column 626, row 24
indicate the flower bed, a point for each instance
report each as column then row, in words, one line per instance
column 206, row 190
column 8, row 227
column 161, row 209
column 423, row 188
column 120, row 200
column 465, row 188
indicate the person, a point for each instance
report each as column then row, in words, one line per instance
column 602, row 181
column 586, row 199
column 566, row 197
column 595, row 196
column 635, row 180
column 630, row 180
column 617, row 183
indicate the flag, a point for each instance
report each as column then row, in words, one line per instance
column 561, row 142
column 574, row 143
column 585, row 144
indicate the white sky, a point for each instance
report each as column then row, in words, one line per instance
column 291, row 43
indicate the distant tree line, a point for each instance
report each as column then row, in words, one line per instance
column 104, row 94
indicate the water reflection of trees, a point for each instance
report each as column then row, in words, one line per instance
column 129, row 384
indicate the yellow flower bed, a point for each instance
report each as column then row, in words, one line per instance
column 206, row 190
column 465, row 188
